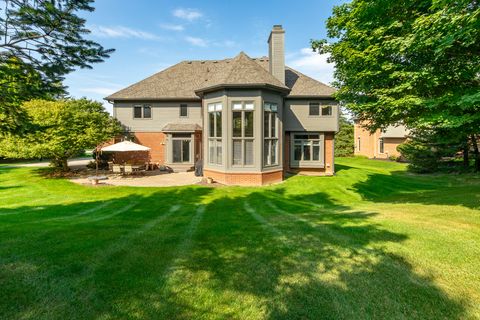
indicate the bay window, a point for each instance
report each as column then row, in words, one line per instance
column 215, row 133
column 270, row 134
column 242, row 133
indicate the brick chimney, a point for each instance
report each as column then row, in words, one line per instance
column 276, row 53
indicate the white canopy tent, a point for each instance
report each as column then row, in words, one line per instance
column 125, row 146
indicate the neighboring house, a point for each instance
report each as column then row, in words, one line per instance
column 249, row 120
column 380, row 145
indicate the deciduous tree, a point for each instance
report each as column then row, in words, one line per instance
column 409, row 61
column 60, row 130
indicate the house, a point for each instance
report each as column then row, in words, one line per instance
column 250, row 120
column 382, row 144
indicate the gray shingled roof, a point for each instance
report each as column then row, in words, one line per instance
column 187, row 79
column 181, row 127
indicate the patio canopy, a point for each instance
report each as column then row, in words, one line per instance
column 125, row 146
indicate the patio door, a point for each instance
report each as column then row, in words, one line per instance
column 181, row 148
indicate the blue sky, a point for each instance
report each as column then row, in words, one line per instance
column 152, row 35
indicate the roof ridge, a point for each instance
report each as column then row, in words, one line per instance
column 308, row 76
column 234, row 65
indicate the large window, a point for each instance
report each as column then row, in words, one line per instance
column 142, row 111
column 215, row 133
column 270, row 134
column 243, row 133
column 307, row 149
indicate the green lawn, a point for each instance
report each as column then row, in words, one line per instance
column 371, row 242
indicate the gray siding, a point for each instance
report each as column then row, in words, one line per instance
column 276, row 53
column 399, row 131
column 162, row 113
column 297, row 118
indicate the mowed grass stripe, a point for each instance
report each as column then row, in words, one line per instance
column 183, row 248
column 303, row 249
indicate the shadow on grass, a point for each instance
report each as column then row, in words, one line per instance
column 203, row 253
column 404, row 187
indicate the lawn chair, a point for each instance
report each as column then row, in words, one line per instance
column 128, row 169
column 117, row 169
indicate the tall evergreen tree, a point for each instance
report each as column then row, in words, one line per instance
column 45, row 38
column 344, row 139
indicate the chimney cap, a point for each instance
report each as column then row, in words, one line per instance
column 277, row 26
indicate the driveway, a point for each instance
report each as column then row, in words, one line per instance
column 76, row 163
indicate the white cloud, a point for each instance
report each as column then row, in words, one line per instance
column 226, row 43
column 172, row 27
column 312, row 64
column 122, row 32
column 199, row 42
column 187, row 14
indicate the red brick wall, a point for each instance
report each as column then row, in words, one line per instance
column 156, row 141
column 329, row 153
column 245, row 179
column 369, row 144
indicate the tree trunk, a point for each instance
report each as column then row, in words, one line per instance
column 61, row 164
column 476, row 152
column 466, row 160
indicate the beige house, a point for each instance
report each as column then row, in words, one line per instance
column 380, row 145
column 250, row 120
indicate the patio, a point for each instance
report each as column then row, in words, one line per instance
column 149, row 179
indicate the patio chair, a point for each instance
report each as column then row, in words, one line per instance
column 128, row 169
column 117, row 169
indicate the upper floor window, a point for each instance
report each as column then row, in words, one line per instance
column 270, row 134
column 142, row 111
column 326, row 110
column 314, row 109
column 243, row 133
column 215, row 133
column 183, row 110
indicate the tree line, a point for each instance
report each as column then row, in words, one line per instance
column 40, row 43
column 415, row 62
